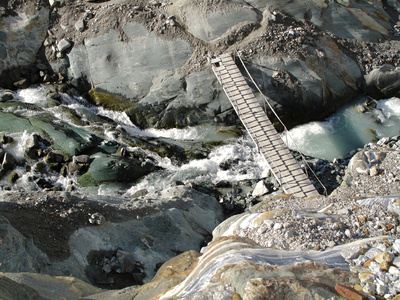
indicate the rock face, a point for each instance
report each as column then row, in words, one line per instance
column 86, row 231
column 226, row 269
column 39, row 286
column 148, row 60
column 21, row 37
column 307, row 58
column 109, row 64
column 383, row 82
column 211, row 21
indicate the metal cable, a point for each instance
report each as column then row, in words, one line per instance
column 284, row 126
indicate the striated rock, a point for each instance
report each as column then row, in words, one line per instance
column 109, row 168
column 64, row 45
column 349, row 293
column 47, row 287
column 21, row 36
column 383, row 82
column 209, row 22
column 224, row 268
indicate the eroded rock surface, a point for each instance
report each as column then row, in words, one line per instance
column 308, row 58
column 165, row 223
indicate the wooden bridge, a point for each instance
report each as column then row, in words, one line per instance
column 281, row 162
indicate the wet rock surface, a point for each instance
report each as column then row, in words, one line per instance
column 318, row 53
column 103, row 240
column 149, row 60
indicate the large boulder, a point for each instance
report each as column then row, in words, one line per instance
column 209, row 21
column 69, row 139
column 73, row 235
column 361, row 20
column 21, row 36
column 383, row 82
column 111, row 168
column 311, row 85
column 127, row 68
column 179, row 102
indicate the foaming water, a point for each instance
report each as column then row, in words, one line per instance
column 32, row 95
column 238, row 160
column 242, row 156
column 348, row 129
column 17, row 149
column 231, row 162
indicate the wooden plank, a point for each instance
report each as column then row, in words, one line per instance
column 225, row 56
column 231, row 67
column 308, row 188
column 235, row 74
column 283, row 165
column 245, row 104
column 227, row 62
column 233, row 83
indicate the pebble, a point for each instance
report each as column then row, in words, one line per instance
column 384, row 257
column 97, row 219
column 64, row 45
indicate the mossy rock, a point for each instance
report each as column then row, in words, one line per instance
column 140, row 116
column 71, row 115
column 109, row 101
column 110, row 168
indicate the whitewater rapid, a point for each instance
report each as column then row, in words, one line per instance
column 346, row 130
column 332, row 138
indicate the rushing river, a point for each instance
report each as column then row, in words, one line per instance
column 346, row 130
column 334, row 137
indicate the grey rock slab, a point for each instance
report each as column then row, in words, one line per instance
column 64, row 45
column 209, row 23
column 324, row 80
column 127, row 68
column 173, row 220
column 365, row 21
column 21, row 36
column 383, row 82
column 18, row 253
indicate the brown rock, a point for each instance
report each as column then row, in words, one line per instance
column 362, row 219
column 358, row 288
column 365, row 277
column 368, row 262
column 349, row 293
column 384, row 266
column 236, row 296
column 384, row 257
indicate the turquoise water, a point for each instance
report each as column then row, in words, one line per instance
column 346, row 130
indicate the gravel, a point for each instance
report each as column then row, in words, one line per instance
column 366, row 205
